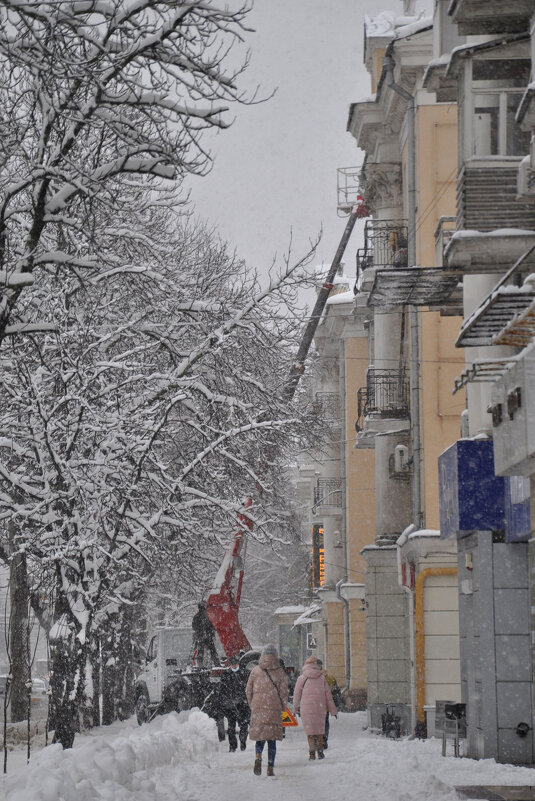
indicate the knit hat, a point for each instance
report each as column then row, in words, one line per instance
column 270, row 649
column 311, row 661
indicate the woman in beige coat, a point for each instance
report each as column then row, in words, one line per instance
column 267, row 695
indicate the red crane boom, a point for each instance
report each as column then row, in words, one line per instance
column 223, row 601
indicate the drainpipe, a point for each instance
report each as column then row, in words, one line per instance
column 388, row 67
column 419, row 637
column 347, row 638
column 402, row 539
column 347, row 619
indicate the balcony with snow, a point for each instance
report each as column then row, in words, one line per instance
column 385, row 244
column 382, row 404
column 491, row 78
column 386, row 280
column 385, row 247
column 491, row 16
column 505, row 317
column 472, row 252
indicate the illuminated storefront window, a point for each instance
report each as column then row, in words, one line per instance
column 318, row 557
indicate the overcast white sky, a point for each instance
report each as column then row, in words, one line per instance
column 275, row 169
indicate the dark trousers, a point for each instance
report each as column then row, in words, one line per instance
column 238, row 716
column 272, row 749
column 326, row 732
column 200, row 646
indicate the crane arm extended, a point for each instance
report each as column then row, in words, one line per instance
column 223, row 602
column 323, row 295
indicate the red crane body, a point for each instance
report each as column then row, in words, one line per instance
column 223, row 601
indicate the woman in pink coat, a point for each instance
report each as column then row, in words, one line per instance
column 267, row 695
column 312, row 699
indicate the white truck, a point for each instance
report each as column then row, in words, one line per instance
column 164, row 677
column 170, row 682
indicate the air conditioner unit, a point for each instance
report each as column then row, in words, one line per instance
column 401, row 458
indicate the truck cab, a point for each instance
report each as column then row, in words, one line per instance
column 168, row 654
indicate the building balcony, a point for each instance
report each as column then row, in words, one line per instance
column 327, row 405
column 386, row 280
column 473, row 252
column 385, row 246
column 327, row 494
column 491, row 16
column 486, row 196
column 385, row 397
column 504, row 317
column 415, row 286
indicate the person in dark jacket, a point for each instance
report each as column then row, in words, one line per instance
column 203, row 635
column 337, row 698
column 233, row 703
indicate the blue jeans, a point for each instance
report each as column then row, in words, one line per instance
column 272, row 749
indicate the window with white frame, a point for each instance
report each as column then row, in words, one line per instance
column 492, row 91
column 495, row 131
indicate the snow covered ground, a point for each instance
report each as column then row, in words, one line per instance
column 178, row 758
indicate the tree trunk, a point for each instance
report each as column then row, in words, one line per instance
column 91, row 708
column 67, row 678
column 125, row 700
column 95, row 673
column 65, row 702
column 19, row 646
column 109, row 667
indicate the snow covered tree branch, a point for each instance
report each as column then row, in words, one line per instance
column 139, row 428
column 94, row 92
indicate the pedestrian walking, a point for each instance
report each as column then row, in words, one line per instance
column 313, row 700
column 267, row 695
column 337, row 698
column 233, row 703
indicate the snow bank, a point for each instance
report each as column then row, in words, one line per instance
column 17, row 733
column 116, row 768
column 178, row 758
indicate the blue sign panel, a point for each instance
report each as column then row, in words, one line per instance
column 472, row 498
column 517, row 511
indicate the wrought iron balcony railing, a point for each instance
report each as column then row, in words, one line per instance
column 386, row 394
column 327, row 404
column 328, row 492
column 385, row 245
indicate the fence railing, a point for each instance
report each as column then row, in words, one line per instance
column 328, row 492
column 385, row 245
column 328, row 405
column 386, row 393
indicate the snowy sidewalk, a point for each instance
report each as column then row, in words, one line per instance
column 178, row 758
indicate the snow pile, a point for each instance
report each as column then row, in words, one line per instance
column 17, row 733
column 117, row 768
column 341, row 297
column 178, row 758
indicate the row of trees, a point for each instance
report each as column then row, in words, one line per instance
column 141, row 364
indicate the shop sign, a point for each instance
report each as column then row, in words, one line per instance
column 471, row 496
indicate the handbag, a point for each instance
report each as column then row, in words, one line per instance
column 287, row 718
